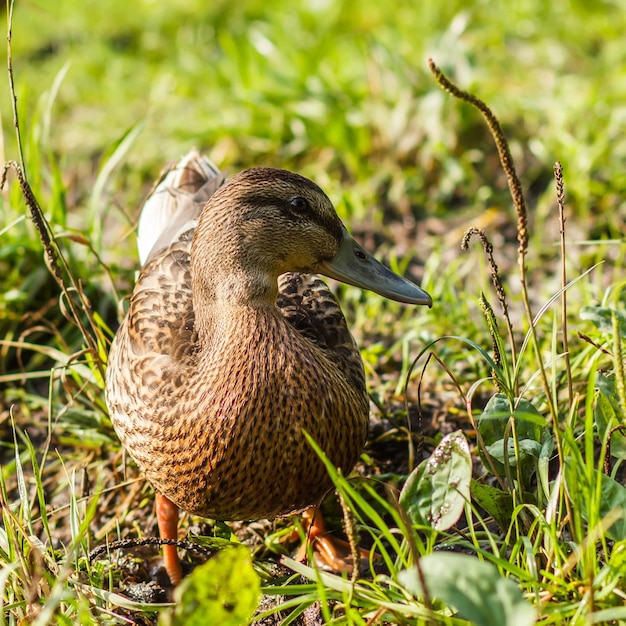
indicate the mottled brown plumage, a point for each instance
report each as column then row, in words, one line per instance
column 231, row 347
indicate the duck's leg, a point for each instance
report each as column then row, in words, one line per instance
column 167, row 518
column 328, row 550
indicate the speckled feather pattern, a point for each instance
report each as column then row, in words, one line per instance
column 215, row 419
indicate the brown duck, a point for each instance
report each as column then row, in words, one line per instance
column 232, row 347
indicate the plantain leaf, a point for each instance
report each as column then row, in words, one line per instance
column 497, row 503
column 438, row 488
column 608, row 414
column 602, row 318
column 225, row 590
column 612, row 499
column 529, row 427
column 474, row 588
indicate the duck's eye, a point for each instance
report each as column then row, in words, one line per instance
column 300, row 205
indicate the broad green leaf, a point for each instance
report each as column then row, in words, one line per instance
column 543, row 464
column 607, row 616
column 497, row 503
column 527, row 448
column 529, row 427
column 474, row 588
column 601, row 318
column 607, row 414
column 495, row 416
column 612, row 497
column 225, row 590
column 438, row 489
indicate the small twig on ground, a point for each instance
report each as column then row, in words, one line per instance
column 607, row 452
column 126, row 544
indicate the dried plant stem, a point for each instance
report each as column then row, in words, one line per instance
column 517, row 195
column 497, row 283
column 492, row 325
column 16, row 122
column 352, row 535
column 503, row 152
column 560, row 198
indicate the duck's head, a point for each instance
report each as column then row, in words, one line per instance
column 264, row 222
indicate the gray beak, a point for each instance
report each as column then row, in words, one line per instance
column 354, row 266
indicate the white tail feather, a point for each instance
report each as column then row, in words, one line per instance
column 175, row 203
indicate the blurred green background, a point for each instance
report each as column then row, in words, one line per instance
column 338, row 90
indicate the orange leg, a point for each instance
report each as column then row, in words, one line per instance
column 167, row 518
column 328, row 551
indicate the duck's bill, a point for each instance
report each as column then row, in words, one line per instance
column 354, row 266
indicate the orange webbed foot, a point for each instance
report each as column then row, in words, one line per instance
column 329, row 551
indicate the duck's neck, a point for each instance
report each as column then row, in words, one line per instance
column 219, row 299
column 228, row 273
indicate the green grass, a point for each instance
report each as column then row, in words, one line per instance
column 341, row 92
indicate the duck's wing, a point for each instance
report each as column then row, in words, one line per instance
column 311, row 308
column 161, row 317
column 171, row 211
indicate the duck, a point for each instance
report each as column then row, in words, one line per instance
column 233, row 349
